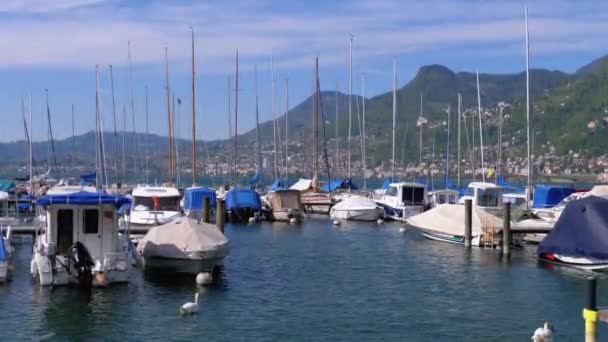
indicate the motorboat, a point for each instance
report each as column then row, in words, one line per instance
column 356, row 208
column 193, row 201
column 6, row 253
column 242, row 204
column 184, row 245
column 487, row 196
column 79, row 242
column 314, row 201
column 443, row 196
column 403, row 200
column 152, row 206
column 284, row 205
column 580, row 236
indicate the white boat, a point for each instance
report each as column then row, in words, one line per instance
column 79, row 242
column 403, row 200
column 152, row 206
column 484, row 195
column 6, row 253
column 285, row 205
column 443, row 196
column 356, row 208
column 183, row 246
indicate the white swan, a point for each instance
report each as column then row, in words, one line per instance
column 190, row 308
column 543, row 334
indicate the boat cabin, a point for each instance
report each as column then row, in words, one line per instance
column 149, row 198
column 444, row 196
column 406, row 194
column 484, row 195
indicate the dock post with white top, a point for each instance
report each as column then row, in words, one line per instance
column 468, row 222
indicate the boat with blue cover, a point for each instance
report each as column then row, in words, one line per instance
column 580, row 236
column 242, row 204
column 193, row 201
column 79, row 243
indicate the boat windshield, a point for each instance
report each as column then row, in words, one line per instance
column 163, row 203
column 413, row 196
column 491, row 197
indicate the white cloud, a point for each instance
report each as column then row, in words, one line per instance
column 86, row 32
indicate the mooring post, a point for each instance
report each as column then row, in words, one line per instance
column 468, row 222
column 206, row 209
column 590, row 312
column 506, row 229
column 220, row 215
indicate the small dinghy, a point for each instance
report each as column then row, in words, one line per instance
column 580, row 236
column 183, row 246
column 357, row 208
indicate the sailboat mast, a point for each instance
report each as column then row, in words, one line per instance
column 394, row 114
column 363, row 140
column 73, row 143
column 529, row 185
column 147, row 133
column 274, row 117
column 315, row 113
column 229, row 130
column 132, row 112
column 48, row 115
column 236, row 112
column 483, row 170
column 257, row 127
column 350, row 103
column 170, row 155
column 102, row 155
column 459, row 116
column 193, row 116
column 337, row 132
column 176, row 135
column 115, row 128
column 31, row 166
column 124, row 136
column 447, row 153
column 421, row 124
column 286, row 128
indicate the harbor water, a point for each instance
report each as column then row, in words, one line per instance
column 315, row 282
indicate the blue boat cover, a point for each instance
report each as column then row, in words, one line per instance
column 89, row 177
column 83, row 197
column 278, row 185
column 22, row 204
column 387, row 182
column 581, row 230
column 257, row 178
column 243, row 198
column 346, row 183
column 547, row 196
column 193, row 198
column 6, row 185
column 3, row 253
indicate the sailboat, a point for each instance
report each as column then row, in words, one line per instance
column 156, row 205
column 357, row 206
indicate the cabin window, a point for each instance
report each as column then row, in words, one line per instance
column 413, row 196
column 392, row 191
column 91, row 221
column 489, row 197
column 162, row 203
column 65, row 230
column 441, row 199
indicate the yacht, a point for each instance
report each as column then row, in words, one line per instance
column 79, row 242
column 403, row 200
column 152, row 206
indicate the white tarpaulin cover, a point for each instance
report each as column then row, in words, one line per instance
column 598, row 191
column 355, row 203
column 302, row 185
column 449, row 219
column 180, row 236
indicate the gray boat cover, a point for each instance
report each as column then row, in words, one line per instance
column 180, row 236
column 285, row 200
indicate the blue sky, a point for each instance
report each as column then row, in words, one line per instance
column 56, row 44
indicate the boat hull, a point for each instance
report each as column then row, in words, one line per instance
column 367, row 214
column 401, row 213
column 286, row 215
column 588, row 264
column 189, row 264
column 112, row 270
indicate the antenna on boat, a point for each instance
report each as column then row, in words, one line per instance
column 193, row 115
column 483, row 170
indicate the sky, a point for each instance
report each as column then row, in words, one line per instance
column 56, row 46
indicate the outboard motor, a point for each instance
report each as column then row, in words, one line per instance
column 80, row 256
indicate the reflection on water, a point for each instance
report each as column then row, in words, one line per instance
column 311, row 282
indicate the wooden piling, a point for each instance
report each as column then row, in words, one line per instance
column 220, row 214
column 506, row 229
column 468, row 222
column 206, row 209
column 590, row 312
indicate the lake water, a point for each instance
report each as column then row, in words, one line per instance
column 315, row 282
